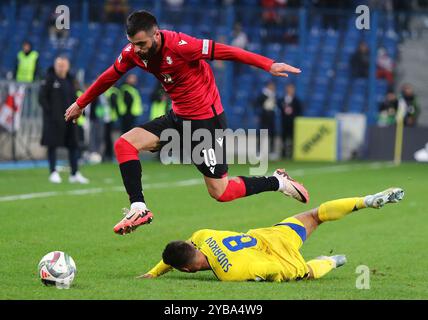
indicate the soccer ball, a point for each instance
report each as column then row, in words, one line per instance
column 57, row 268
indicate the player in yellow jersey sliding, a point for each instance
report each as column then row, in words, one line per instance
column 265, row 254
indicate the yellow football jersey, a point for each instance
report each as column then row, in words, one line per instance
column 268, row 254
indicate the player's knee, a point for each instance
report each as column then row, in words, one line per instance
column 315, row 217
column 125, row 151
column 216, row 193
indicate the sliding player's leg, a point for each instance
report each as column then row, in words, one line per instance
column 337, row 209
column 126, row 149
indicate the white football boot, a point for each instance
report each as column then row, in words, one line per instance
column 338, row 260
column 290, row 187
column 378, row 200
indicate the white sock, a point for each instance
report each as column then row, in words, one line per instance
column 281, row 183
column 138, row 205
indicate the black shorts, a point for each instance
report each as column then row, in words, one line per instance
column 209, row 148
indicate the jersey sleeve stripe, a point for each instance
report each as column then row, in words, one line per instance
column 205, row 44
column 212, row 50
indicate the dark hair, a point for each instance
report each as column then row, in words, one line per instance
column 140, row 21
column 178, row 254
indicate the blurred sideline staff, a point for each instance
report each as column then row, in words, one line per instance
column 56, row 93
column 26, row 67
column 131, row 107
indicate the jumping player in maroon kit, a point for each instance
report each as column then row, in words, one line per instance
column 178, row 62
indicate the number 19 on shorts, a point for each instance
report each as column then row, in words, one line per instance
column 209, row 157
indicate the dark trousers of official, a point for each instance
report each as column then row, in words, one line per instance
column 73, row 157
column 108, row 141
column 287, row 138
column 267, row 121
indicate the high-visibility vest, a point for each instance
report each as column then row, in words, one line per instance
column 119, row 100
column 82, row 119
column 137, row 105
column 158, row 109
column 26, row 66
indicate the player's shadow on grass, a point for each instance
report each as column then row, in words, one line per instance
column 199, row 277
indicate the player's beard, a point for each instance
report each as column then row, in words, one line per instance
column 151, row 52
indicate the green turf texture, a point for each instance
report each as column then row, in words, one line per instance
column 391, row 241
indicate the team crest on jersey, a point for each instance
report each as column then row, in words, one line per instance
column 168, row 60
column 167, row 78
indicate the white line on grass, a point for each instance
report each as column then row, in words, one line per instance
column 79, row 192
column 191, row 182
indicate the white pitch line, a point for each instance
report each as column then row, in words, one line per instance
column 189, row 182
column 30, row 196
column 80, row 192
column 341, row 168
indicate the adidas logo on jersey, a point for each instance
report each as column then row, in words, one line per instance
column 212, row 169
column 182, row 43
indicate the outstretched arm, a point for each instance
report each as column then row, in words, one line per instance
column 194, row 49
column 225, row 52
column 122, row 64
column 104, row 81
column 160, row 269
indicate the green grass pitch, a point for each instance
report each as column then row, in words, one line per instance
column 392, row 241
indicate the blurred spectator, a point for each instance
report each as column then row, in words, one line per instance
column 267, row 103
column 97, row 110
column 291, row 108
column 57, row 37
column 408, row 106
column 113, row 98
column 26, row 66
column 240, row 40
column 270, row 14
column 330, row 18
column 116, row 11
column 402, row 10
column 81, row 123
column 388, row 110
column 56, row 94
column 160, row 102
column 239, row 37
column 385, row 66
column 360, row 61
column 131, row 107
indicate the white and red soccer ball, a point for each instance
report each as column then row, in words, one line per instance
column 57, row 268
